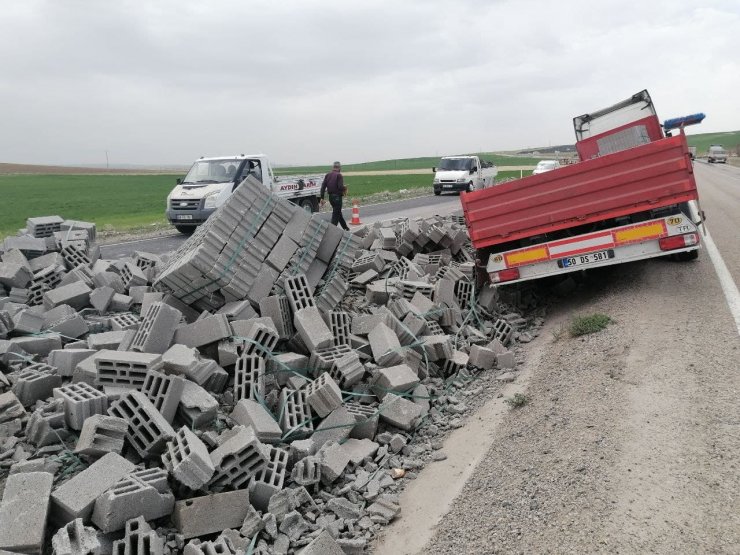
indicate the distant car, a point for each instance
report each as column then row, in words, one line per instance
column 546, row 166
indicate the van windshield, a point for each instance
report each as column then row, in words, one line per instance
column 455, row 164
column 212, row 171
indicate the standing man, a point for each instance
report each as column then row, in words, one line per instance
column 334, row 185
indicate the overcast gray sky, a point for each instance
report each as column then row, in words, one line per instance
column 312, row 81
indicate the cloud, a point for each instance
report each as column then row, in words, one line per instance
column 308, row 82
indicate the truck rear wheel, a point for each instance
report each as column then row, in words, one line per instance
column 308, row 204
column 687, row 256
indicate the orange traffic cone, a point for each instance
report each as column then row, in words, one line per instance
column 355, row 213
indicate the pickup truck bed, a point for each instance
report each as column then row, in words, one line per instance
column 642, row 178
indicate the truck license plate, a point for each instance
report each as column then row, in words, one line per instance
column 588, row 258
column 184, row 216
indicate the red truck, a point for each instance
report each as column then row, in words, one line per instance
column 631, row 197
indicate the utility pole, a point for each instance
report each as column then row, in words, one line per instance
column 107, row 166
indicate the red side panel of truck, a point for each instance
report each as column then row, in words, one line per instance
column 649, row 176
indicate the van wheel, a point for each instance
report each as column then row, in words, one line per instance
column 185, row 229
column 308, row 204
column 437, row 193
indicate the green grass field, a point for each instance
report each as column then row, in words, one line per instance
column 125, row 202
column 702, row 141
column 427, row 162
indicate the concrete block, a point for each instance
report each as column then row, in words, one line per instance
column 256, row 336
column 296, row 419
column 312, row 328
column 209, row 514
column 298, row 292
column 203, row 332
column 76, row 295
column 142, row 493
column 335, row 427
column 148, row 431
column 502, row 331
column 164, row 391
column 506, row 360
column 482, row 357
column 359, row 449
column 249, row 378
column 366, row 420
column 76, row 539
column 334, row 461
column 27, row 321
column 385, row 345
column 250, row 413
column 286, row 365
column 187, row 459
column 323, row 395
column 347, row 370
column 132, row 276
column 396, row 379
column 139, row 539
column 238, row 310
column 23, row 511
column 157, row 329
column 270, row 479
column 46, row 425
column 81, row 401
column 237, row 460
column 124, row 321
column 262, row 284
column 76, row 497
column 108, row 340
column 40, row 345
column 15, row 275
column 197, row 408
column 124, row 369
column 306, row 471
column 323, row 360
column 101, row 297
column 282, row 253
column 400, row 412
column 35, row 382
column 277, row 307
column 100, row 435
column 11, row 408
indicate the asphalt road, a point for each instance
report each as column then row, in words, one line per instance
column 416, row 207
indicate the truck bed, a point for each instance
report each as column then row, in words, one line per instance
column 641, row 178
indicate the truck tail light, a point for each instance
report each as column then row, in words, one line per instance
column 679, row 241
column 504, row 275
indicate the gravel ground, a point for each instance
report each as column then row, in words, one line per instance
column 629, row 441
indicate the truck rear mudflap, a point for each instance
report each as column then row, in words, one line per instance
column 649, row 239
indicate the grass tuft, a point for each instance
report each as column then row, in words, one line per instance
column 583, row 325
column 517, row 401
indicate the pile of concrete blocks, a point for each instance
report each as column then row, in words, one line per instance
column 268, row 384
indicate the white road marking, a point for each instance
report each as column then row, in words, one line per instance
column 729, row 288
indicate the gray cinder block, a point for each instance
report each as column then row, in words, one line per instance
column 385, row 345
column 101, row 434
column 197, row 407
column 142, row 493
column 35, row 382
column 323, row 395
column 399, row 412
column 81, row 401
column 335, row 427
column 76, row 539
column 76, row 497
column 481, row 357
column 76, row 295
column 312, row 328
column 359, row 449
column 250, row 413
column 124, row 369
column 238, row 459
column 23, row 511
column 202, row 332
column 157, row 329
column 164, row 391
column 333, row 462
column 148, row 431
column 209, row 514
column 187, row 459
column 269, row 480
column 398, row 379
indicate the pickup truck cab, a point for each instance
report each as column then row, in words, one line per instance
column 211, row 181
column 463, row 173
column 717, row 154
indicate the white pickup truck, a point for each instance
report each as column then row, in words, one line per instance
column 463, row 173
column 210, row 181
